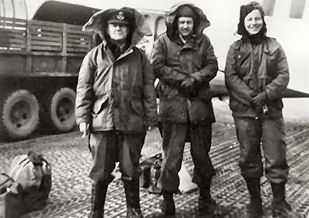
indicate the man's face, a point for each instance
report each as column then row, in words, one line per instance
column 253, row 22
column 117, row 31
column 185, row 25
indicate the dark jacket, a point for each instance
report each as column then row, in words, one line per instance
column 273, row 77
column 174, row 61
column 116, row 93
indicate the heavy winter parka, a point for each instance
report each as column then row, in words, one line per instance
column 173, row 61
column 272, row 77
column 117, row 94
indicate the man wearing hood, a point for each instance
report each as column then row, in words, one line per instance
column 256, row 76
column 184, row 62
column 116, row 103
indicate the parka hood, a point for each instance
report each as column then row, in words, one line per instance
column 138, row 27
column 241, row 30
column 201, row 21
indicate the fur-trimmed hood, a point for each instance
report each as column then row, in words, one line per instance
column 171, row 21
column 138, row 25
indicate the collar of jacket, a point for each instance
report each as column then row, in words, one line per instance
column 190, row 43
column 124, row 54
column 271, row 45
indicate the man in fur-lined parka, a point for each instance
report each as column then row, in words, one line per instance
column 184, row 61
column 116, row 103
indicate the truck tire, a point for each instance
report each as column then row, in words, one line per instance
column 19, row 114
column 61, row 110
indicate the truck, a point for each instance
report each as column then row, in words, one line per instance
column 41, row 53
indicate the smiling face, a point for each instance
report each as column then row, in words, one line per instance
column 117, row 31
column 253, row 22
column 185, row 26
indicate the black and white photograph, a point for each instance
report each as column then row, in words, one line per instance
column 154, row 109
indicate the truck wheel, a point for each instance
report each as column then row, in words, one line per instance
column 61, row 110
column 20, row 114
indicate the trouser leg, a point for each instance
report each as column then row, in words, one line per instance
column 174, row 136
column 104, row 157
column 249, row 133
column 173, row 145
column 276, row 167
column 274, row 146
column 201, row 136
column 203, row 168
column 130, row 146
column 104, row 152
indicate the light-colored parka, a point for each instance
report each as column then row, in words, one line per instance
column 116, row 94
column 173, row 61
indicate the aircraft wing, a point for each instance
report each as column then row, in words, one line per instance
column 219, row 90
column 291, row 93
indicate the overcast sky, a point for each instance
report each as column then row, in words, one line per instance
column 151, row 4
column 147, row 4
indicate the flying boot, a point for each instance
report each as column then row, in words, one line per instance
column 98, row 195
column 255, row 208
column 280, row 207
column 167, row 205
column 205, row 202
column 132, row 197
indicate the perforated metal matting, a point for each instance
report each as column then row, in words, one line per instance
column 71, row 161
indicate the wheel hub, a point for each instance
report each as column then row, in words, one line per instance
column 20, row 114
column 65, row 109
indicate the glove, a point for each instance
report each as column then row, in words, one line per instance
column 188, row 87
column 188, row 82
column 84, row 129
column 260, row 99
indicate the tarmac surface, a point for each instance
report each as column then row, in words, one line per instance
column 71, row 162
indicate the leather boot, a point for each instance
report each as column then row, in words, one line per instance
column 134, row 212
column 280, row 207
column 167, row 205
column 98, row 195
column 255, row 208
column 205, row 202
column 132, row 198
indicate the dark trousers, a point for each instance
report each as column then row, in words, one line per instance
column 251, row 134
column 109, row 147
column 174, row 138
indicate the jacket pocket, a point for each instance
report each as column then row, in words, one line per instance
column 242, row 64
column 100, row 104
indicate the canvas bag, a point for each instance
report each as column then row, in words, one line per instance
column 33, row 173
column 11, row 204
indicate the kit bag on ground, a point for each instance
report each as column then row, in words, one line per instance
column 11, row 204
column 151, row 170
column 33, row 173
